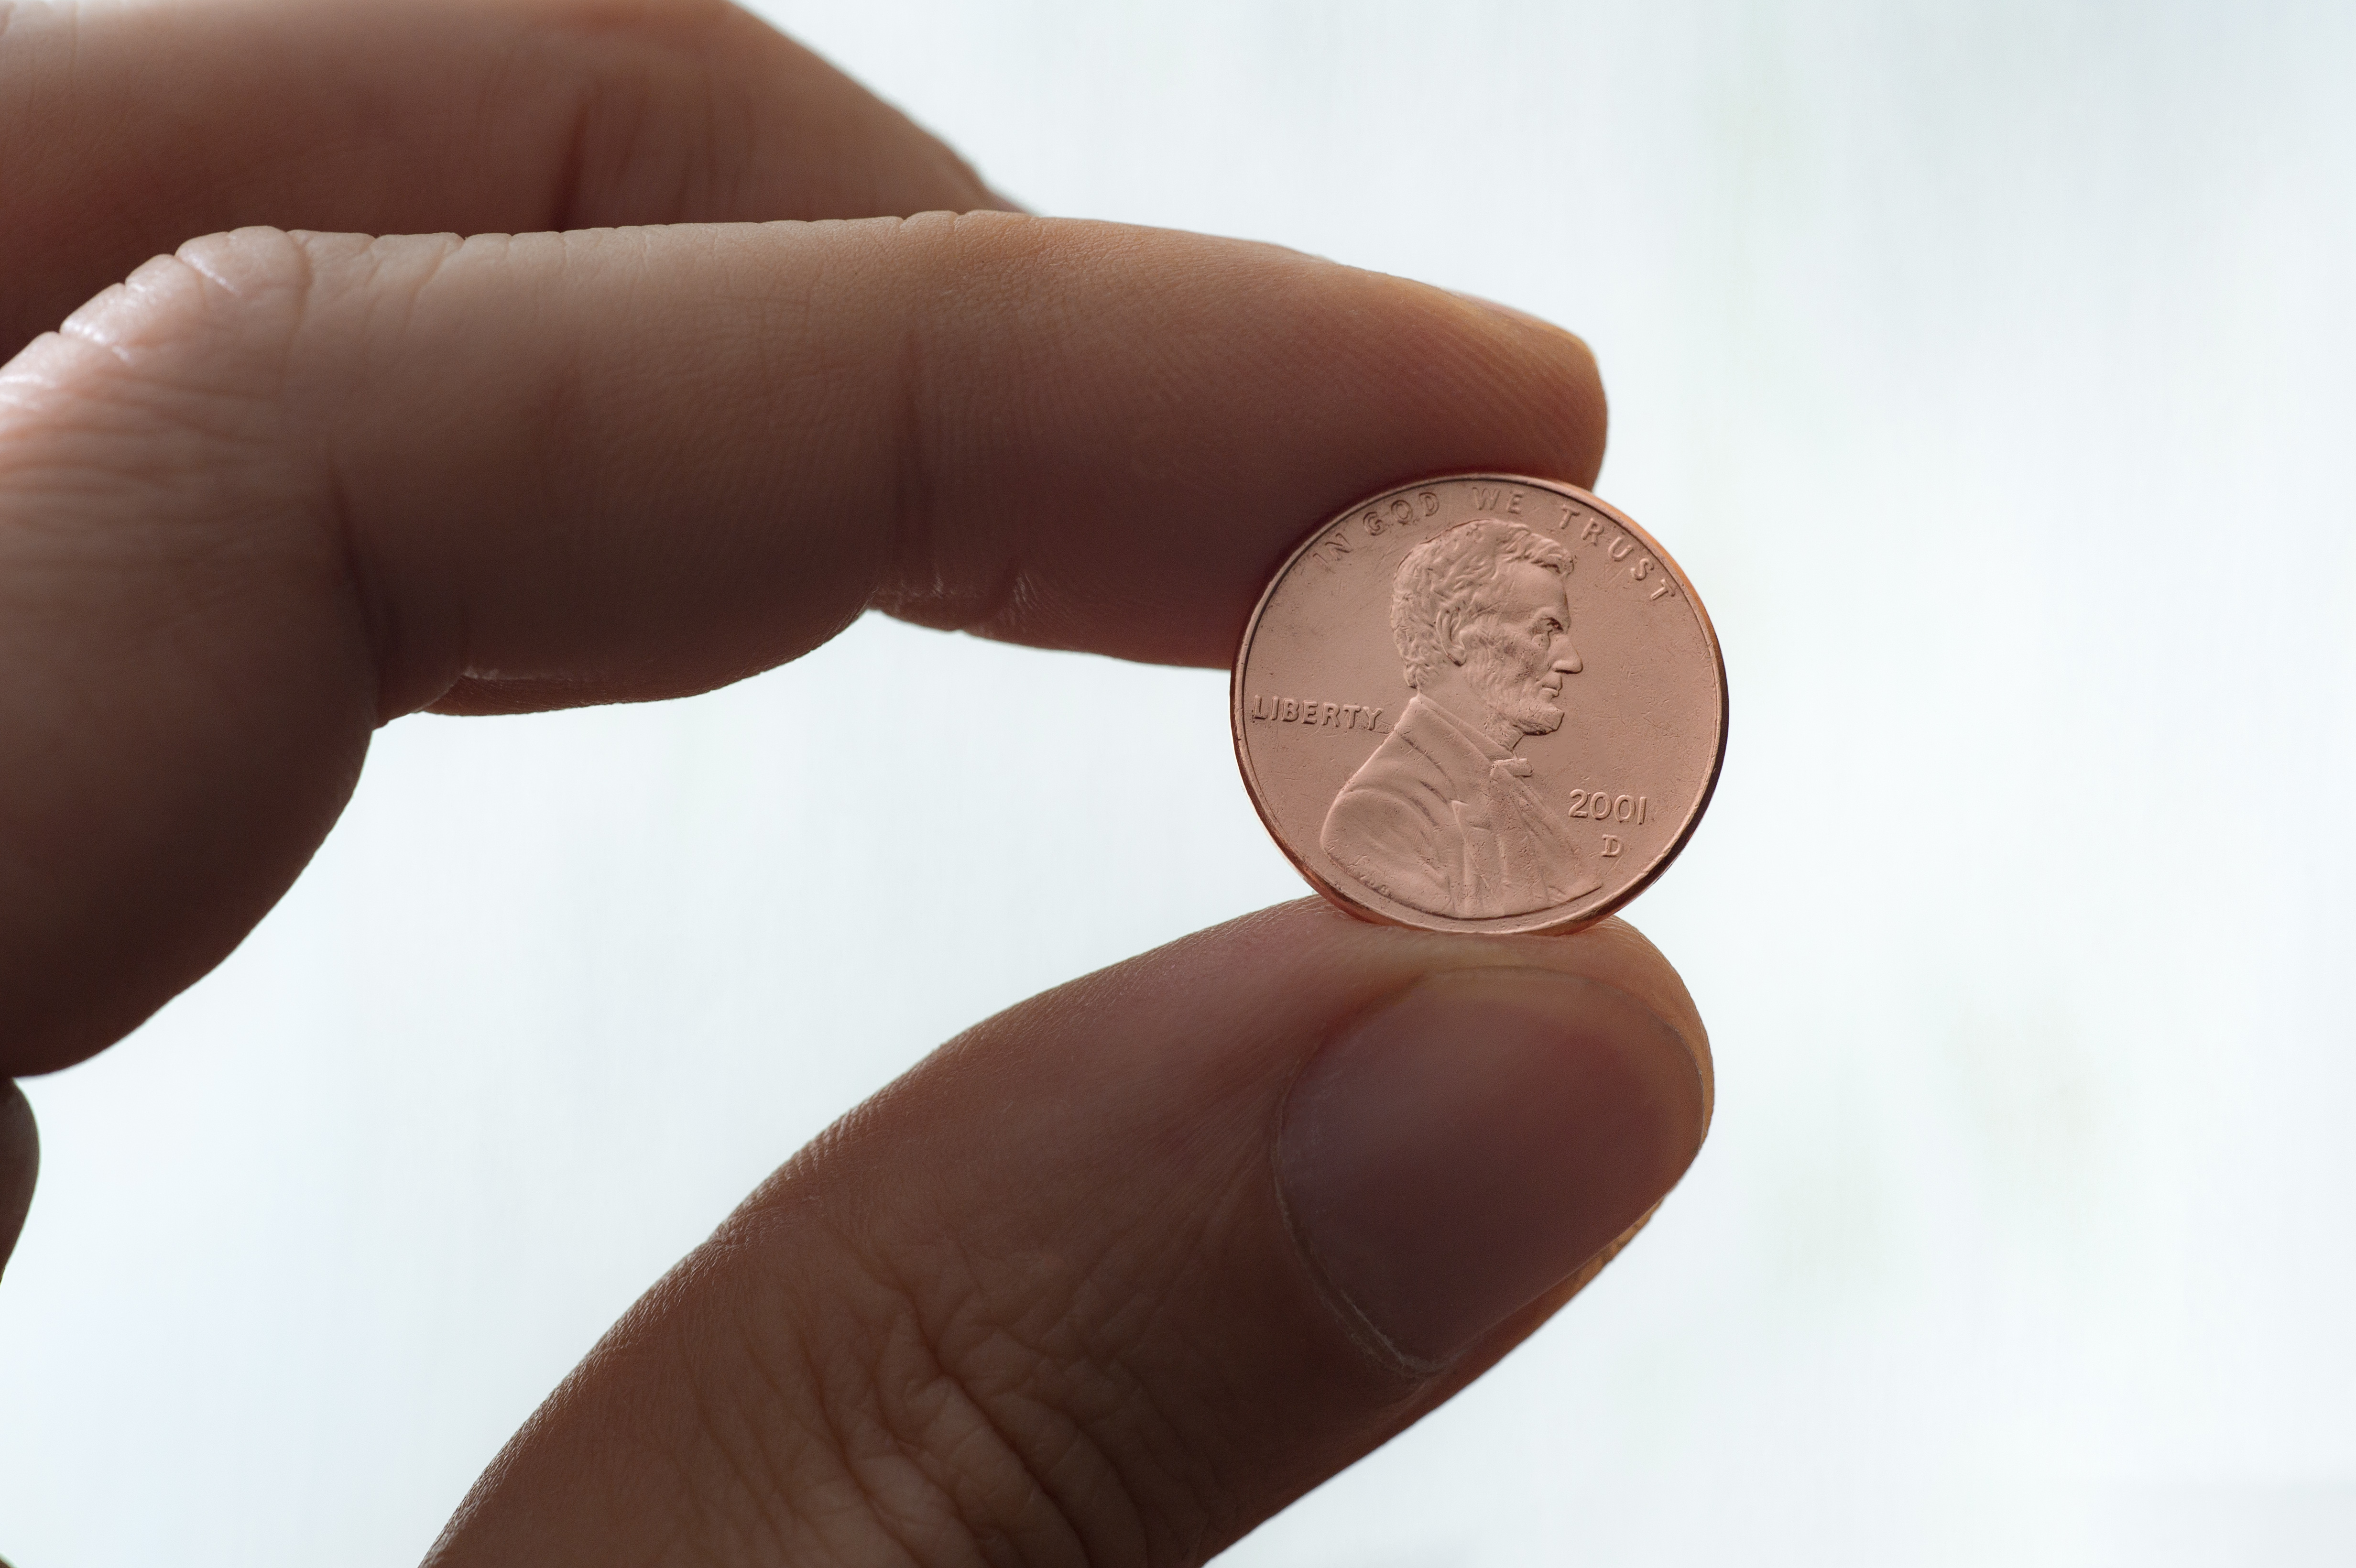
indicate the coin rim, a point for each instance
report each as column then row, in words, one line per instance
column 1544, row 922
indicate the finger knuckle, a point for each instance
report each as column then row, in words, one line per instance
column 656, row 128
column 184, row 342
column 151, row 426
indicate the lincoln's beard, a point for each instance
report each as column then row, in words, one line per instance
column 1502, row 674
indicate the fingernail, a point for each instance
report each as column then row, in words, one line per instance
column 1514, row 313
column 1452, row 1155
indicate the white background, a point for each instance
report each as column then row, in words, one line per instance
column 1988, row 367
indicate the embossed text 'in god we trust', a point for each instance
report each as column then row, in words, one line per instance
column 1507, row 642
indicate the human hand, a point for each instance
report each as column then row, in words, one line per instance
column 1113, row 1275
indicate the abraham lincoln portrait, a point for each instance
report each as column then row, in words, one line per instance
column 1444, row 817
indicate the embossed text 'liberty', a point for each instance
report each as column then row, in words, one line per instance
column 1325, row 715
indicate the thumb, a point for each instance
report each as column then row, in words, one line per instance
column 1118, row 1273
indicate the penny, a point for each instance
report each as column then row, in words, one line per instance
column 1484, row 702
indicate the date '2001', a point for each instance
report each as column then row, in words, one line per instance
column 1603, row 806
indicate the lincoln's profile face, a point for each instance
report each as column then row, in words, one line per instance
column 1516, row 650
column 1484, row 627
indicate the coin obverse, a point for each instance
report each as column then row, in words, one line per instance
column 1480, row 703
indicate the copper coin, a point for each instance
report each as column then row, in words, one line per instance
column 1480, row 703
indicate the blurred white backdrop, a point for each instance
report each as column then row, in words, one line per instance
column 1986, row 366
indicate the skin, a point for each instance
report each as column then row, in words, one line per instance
column 1039, row 1302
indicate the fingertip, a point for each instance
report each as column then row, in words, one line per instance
column 1645, row 971
column 20, row 1162
column 1453, row 1154
column 1578, row 400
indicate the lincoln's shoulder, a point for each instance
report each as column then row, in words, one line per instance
column 1397, row 765
column 1397, row 758
column 1425, row 750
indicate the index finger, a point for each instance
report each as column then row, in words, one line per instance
column 277, row 489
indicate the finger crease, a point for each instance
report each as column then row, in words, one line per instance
column 567, row 202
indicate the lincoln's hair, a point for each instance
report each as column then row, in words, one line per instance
column 1450, row 579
